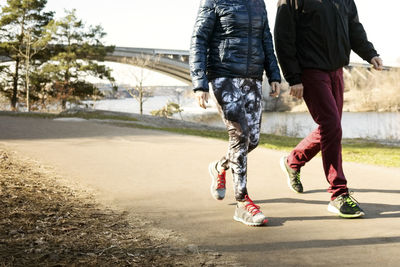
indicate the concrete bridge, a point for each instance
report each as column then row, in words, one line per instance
column 174, row 63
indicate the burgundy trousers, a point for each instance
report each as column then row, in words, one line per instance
column 323, row 94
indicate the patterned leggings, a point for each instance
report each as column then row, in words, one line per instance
column 239, row 104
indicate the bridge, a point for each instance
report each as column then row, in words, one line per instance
column 174, row 63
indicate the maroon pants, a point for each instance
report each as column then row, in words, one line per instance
column 323, row 94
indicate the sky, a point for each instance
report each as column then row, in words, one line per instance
column 168, row 23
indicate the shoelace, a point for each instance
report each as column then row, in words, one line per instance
column 251, row 207
column 297, row 177
column 351, row 200
column 221, row 180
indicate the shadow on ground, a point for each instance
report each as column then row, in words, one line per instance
column 307, row 244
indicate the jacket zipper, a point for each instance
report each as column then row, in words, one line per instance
column 249, row 36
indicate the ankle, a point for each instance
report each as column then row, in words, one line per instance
column 219, row 168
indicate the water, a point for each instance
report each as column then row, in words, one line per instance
column 366, row 125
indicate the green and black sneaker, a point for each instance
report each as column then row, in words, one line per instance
column 345, row 206
column 293, row 176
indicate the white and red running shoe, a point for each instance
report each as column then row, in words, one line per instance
column 217, row 181
column 249, row 213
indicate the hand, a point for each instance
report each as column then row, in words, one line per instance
column 202, row 98
column 297, row 90
column 377, row 63
column 275, row 89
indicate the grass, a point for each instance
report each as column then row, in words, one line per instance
column 354, row 150
column 372, row 153
column 79, row 114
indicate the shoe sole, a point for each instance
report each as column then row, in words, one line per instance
column 250, row 224
column 283, row 167
column 210, row 170
column 333, row 209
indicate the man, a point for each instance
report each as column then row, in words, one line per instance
column 313, row 40
column 231, row 47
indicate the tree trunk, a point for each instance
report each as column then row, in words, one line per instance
column 27, row 65
column 63, row 104
column 64, row 95
column 28, row 105
column 14, row 98
column 141, row 101
column 65, row 92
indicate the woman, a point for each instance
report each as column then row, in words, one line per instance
column 231, row 46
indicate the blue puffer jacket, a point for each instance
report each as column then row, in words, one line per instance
column 231, row 38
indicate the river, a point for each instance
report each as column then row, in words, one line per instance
column 384, row 126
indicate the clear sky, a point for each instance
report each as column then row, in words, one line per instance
column 168, row 23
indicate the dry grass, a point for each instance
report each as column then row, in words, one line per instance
column 369, row 90
column 365, row 90
column 44, row 223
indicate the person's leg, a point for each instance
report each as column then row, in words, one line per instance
column 246, row 211
column 305, row 150
column 299, row 156
column 342, row 203
column 323, row 94
column 311, row 144
column 231, row 105
column 252, row 93
column 239, row 102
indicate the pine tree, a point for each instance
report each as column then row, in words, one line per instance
column 18, row 20
column 77, row 51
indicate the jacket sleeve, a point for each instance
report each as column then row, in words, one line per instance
column 270, row 62
column 358, row 37
column 285, row 40
column 202, row 32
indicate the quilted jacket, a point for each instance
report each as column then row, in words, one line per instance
column 231, row 38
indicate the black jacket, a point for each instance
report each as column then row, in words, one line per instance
column 231, row 38
column 318, row 34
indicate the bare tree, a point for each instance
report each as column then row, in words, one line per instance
column 179, row 92
column 140, row 92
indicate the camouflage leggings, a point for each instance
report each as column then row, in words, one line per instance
column 239, row 104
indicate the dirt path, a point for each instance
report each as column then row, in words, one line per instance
column 163, row 177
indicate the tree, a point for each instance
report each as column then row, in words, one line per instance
column 77, row 51
column 179, row 92
column 32, row 45
column 19, row 17
column 139, row 91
